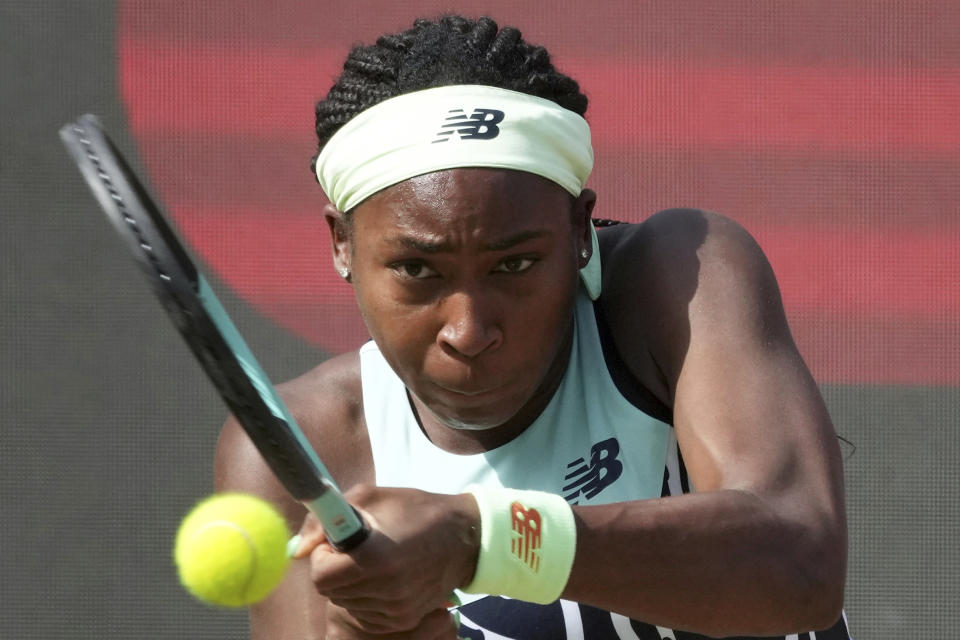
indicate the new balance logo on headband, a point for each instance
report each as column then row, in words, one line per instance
column 481, row 125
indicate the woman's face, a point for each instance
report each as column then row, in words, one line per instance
column 466, row 280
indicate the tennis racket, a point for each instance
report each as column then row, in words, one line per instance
column 204, row 324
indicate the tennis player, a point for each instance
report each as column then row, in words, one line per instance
column 578, row 433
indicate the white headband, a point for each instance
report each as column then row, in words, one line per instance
column 458, row 126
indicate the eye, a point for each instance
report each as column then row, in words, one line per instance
column 515, row 265
column 413, row 269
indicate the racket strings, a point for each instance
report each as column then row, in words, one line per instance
column 120, row 203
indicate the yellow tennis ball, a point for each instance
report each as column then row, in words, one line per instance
column 231, row 549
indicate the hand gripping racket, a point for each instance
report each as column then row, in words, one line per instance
column 206, row 327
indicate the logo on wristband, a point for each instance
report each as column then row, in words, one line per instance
column 527, row 535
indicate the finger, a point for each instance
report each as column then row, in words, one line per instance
column 365, row 571
column 342, row 623
column 311, row 536
column 390, row 606
column 438, row 624
column 337, row 574
column 381, row 614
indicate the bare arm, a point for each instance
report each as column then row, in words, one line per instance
column 761, row 547
column 324, row 404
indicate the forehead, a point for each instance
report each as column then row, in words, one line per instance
column 472, row 197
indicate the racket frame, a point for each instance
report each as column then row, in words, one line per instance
column 205, row 326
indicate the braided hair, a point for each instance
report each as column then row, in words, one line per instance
column 436, row 53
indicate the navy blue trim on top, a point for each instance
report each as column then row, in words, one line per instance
column 625, row 382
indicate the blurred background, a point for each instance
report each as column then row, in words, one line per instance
column 829, row 128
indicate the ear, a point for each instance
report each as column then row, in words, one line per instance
column 341, row 240
column 582, row 223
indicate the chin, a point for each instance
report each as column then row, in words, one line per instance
column 482, row 417
column 469, row 426
column 463, row 421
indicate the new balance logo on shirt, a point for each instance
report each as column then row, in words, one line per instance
column 590, row 478
column 480, row 125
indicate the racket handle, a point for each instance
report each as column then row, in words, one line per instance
column 342, row 524
column 352, row 541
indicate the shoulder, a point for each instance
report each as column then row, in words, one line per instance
column 667, row 245
column 676, row 264
column 327, row 403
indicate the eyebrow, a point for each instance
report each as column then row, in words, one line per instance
column 444, row 246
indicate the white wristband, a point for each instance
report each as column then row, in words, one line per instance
column 527, row 543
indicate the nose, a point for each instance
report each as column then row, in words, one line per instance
column 471, row 326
